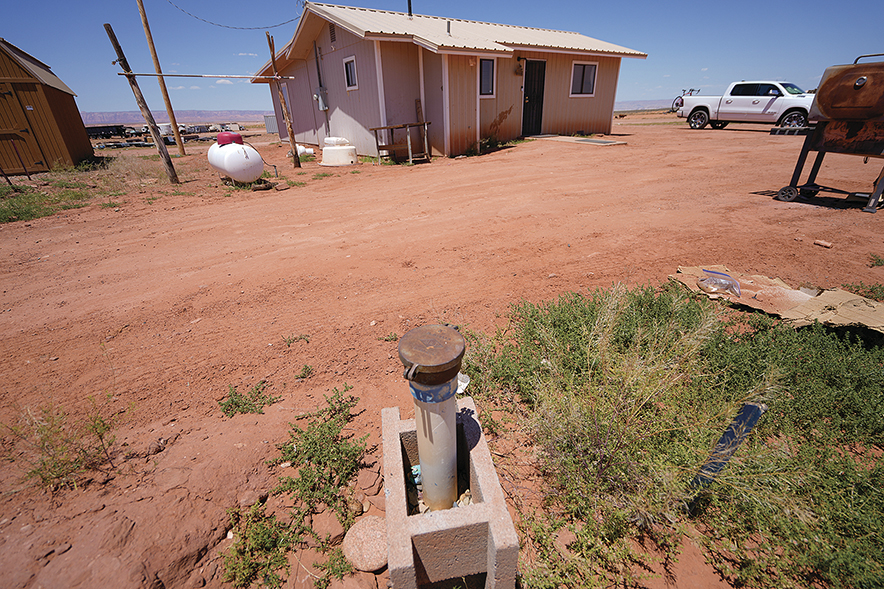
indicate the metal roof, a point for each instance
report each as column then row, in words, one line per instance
column 35, row 67
column 437, row 34
column 449, row 35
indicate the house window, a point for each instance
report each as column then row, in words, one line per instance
column 486, row 78
column 350, row 72
column 583, row 78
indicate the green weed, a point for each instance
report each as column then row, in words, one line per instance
column 259, row 549
column 870, row 291
column 390, row 337
column 306, row 372
column 327, row 457
column 321, row 175
column 56, row 450
column 252, row 402
column 23, row 203
column 289, row 340
column 336, row 566
column 624, row 393
column 876, row 261
column 295, row 183
column 327, row 460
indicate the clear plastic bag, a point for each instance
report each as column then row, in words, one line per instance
column 719, row 283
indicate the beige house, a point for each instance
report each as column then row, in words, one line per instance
column 353, row 69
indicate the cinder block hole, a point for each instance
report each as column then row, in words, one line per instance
column 468, row 582
column 468, row 433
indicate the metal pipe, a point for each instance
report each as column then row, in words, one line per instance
column 432, row 356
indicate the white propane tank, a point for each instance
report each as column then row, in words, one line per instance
column 216, row 159
column 229, row 156
column 242, row 163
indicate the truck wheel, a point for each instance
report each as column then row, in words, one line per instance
column 698, row 119
column 787, row 194
column 794, row 118
column 718, row 124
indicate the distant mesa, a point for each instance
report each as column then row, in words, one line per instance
column 182, row 116
column 629, row 105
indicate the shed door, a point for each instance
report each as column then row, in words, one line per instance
column 17, row 142
column 532, row 112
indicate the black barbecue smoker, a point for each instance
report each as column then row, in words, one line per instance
column 847, row 116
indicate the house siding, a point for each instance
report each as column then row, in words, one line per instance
column 351, row 112
column 501, row 116
column 434, row 111
column 463, row 93
column 446, row 82
column 565, row 115
column 302, row 108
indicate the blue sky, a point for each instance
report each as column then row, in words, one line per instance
column 690, row 44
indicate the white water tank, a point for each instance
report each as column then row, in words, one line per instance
column 338, row 152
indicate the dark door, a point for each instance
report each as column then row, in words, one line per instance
column 532, row 113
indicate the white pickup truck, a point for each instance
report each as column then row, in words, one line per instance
column 777, row 103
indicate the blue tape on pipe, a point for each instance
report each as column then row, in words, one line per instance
column 433, row 393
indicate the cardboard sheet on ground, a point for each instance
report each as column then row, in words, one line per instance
column 772, row 295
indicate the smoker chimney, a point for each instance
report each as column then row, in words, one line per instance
column 409, row 8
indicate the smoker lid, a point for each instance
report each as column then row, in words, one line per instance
column 852, row 92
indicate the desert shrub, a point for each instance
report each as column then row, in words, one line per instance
column 253, row 401
column 624, row 393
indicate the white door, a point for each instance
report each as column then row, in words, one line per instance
column 738, row 105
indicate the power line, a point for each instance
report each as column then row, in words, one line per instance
column 230, row 27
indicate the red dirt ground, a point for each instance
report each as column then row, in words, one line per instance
column 167, row 300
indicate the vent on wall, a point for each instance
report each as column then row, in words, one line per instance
column 331, row 31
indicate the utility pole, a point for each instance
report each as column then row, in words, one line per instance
column 296, row 159
column 142, row 104
column 156, row 65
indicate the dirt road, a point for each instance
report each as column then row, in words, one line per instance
column 178, row 293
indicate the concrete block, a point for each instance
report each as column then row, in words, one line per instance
column 452, row 543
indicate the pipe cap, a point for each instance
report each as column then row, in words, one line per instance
column 431, row 354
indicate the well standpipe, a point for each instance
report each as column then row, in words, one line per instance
column 432, row 356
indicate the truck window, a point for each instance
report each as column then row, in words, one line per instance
column 768, row 90
column 793, row 89
column 744, row 90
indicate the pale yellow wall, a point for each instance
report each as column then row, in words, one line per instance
column 433, row 111
column 351, row 112
column 463, row 95
column 502, row 114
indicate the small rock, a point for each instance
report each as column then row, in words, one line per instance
column 370, row 480
column 156, row 447
column 365, row 545
column 326, row 525
column 822, row 243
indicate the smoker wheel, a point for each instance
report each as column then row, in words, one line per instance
column 787, row 194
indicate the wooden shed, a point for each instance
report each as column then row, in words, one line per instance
column 350, row 70
column 40, row 126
